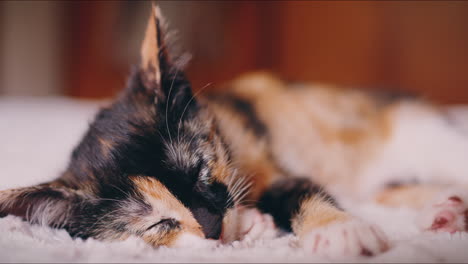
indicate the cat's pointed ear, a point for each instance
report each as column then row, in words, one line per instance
column 161, row 72
column 48, row 204
column 151, row 51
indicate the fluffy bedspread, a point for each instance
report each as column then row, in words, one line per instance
column 37, row 136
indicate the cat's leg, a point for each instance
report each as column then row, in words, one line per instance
column 321, row 226
column 442, row 208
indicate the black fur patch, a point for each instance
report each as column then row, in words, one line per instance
column 246, row 110
column 283, row 199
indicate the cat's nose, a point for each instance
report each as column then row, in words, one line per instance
column 214, row 232
column 210, row 222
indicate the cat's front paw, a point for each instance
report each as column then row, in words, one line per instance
column 449, row 213
column 352, row 237
column 248, row 224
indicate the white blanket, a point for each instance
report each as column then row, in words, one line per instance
column 37, row 136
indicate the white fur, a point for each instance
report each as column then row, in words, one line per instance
column 246, row 224
column 424, row 146
column 345, row 239
column 188, row 240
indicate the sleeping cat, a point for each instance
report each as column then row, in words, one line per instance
column 174, row 168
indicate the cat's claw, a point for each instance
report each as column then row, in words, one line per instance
column 448, row 214
column 351, row 238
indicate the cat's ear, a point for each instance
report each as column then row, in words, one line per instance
column 161, row 70
column 47, row 204
column 152, row 51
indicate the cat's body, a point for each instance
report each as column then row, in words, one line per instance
column 170, row 167
column 397, row 150
column 348, row 140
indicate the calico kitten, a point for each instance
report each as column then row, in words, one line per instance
column 171, row 167
column 152, row 164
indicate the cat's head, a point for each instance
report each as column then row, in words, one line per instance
column 151, row 165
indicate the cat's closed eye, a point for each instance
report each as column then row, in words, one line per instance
column 165, row 223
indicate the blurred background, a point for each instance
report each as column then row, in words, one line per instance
column 85, row 48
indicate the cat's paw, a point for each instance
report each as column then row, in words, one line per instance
column 350, row 238
column 449, row 213
column 248, row 224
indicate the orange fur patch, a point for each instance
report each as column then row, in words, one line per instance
column 155, row 192
column 413, row 196
column 150, row 50
column 314, row 213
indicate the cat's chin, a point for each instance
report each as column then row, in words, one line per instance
column 241, row 223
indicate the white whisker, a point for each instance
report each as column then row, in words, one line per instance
column 186, row 106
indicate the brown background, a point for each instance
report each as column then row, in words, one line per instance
column 415, row 46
